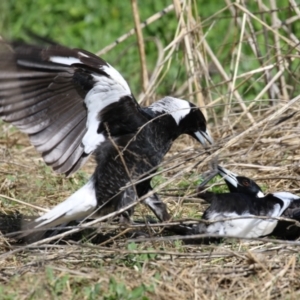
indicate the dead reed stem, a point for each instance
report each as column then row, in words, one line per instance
column 141, row 44
column 248, row 82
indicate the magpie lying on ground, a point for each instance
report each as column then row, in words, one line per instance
column 245, row 185
column 72, row 103
column 244, row 200
column 236, row 213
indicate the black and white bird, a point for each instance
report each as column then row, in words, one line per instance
column 71, row 104
column 245, row 185
column 237, row 213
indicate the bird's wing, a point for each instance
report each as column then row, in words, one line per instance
column 59, row 96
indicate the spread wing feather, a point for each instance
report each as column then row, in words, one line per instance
column 48, row 93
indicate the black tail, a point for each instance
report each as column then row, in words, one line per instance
column 10, row 223
column 13, row 226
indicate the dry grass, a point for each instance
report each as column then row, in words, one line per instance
column 250, row 140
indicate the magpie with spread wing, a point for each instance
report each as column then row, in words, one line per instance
column 72, row 104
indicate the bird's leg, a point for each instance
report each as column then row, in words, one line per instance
column 125, row 218
column 158, row 207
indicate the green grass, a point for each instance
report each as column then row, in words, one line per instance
column 53, row 285
column 122, row 270
column 95, row 24
column 118, row 290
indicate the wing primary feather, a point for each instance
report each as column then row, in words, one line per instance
column 48, row 94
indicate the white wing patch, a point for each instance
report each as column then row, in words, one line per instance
column 116, row 76
column 248, row 227
column 106, row 91
column 241, row 227
column 177, row 108
column 65, row 60
column 286, row 197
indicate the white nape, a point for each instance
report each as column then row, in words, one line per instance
column 260, row 194
column 177, row 108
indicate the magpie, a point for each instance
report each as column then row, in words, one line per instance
column 236, row 214
column 72, row 104
column 245, row 185
column 245, row 199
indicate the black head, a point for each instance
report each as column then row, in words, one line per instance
column 240, row 184
column 188, row 118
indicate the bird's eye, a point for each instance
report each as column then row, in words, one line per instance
column 245, row 182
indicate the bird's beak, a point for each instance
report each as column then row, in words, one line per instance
column 204, row 137
column 228, row 176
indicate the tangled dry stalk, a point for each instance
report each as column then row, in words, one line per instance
column 257, row 137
